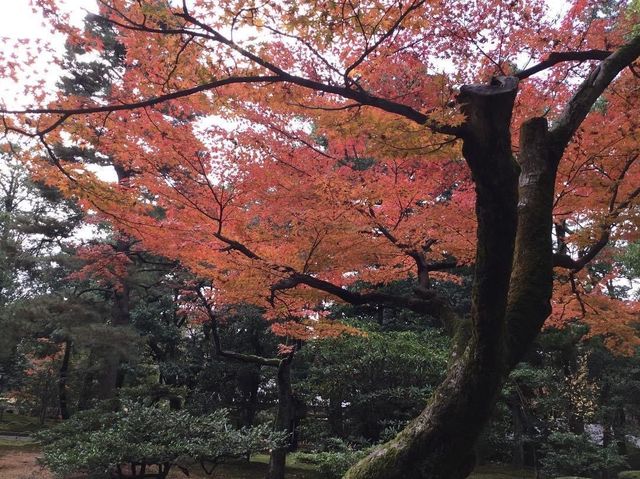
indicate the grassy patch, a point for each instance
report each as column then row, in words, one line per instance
column 292, row 463
column 19, row 424
column 500, row 472
column 8, row 446
column 257, row 468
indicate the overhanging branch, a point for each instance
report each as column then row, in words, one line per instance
column 430, row 302
column 242, row 357
column 66, row 113
column 279, row 75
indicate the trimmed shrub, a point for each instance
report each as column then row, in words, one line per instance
column 146, row 441
column 567, row 454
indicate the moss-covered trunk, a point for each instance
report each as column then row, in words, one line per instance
column 511, row 289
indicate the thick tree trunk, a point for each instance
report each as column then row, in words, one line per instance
column 284, row 420
column 511, row 292
column 439, row 443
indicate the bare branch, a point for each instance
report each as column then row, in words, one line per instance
column 245, row 358
column 558, row 57
column 575, row 265
column 68, row 112
column 588, row 92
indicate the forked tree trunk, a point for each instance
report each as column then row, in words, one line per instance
column 284, row 419
column 512, row 286
column 439, row 443
column 513, row 276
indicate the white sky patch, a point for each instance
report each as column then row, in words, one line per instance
column 558, row 8
column 20, row 21
column 105, row 173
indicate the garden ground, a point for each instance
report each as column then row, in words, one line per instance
column 20, row 462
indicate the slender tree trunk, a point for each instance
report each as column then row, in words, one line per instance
column 175, row 402
column 606, row 441
column 619, row 420
column 250, row 387
column 517, row 447
column 284, row 420
column 164, row 470
column 62, row 380
column 44, row 401
column 86, row 391
column 335, row 416
column 252, row 406
column 110, row 378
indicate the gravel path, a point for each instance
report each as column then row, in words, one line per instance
column 21, row 465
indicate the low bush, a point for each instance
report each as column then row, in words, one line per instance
column 145, row 441
column 571, row 455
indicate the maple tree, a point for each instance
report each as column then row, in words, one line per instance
column 295, row 153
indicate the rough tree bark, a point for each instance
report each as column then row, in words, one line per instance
column 439, row 442
column 513, row 276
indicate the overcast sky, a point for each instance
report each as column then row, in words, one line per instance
column 19, row 21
